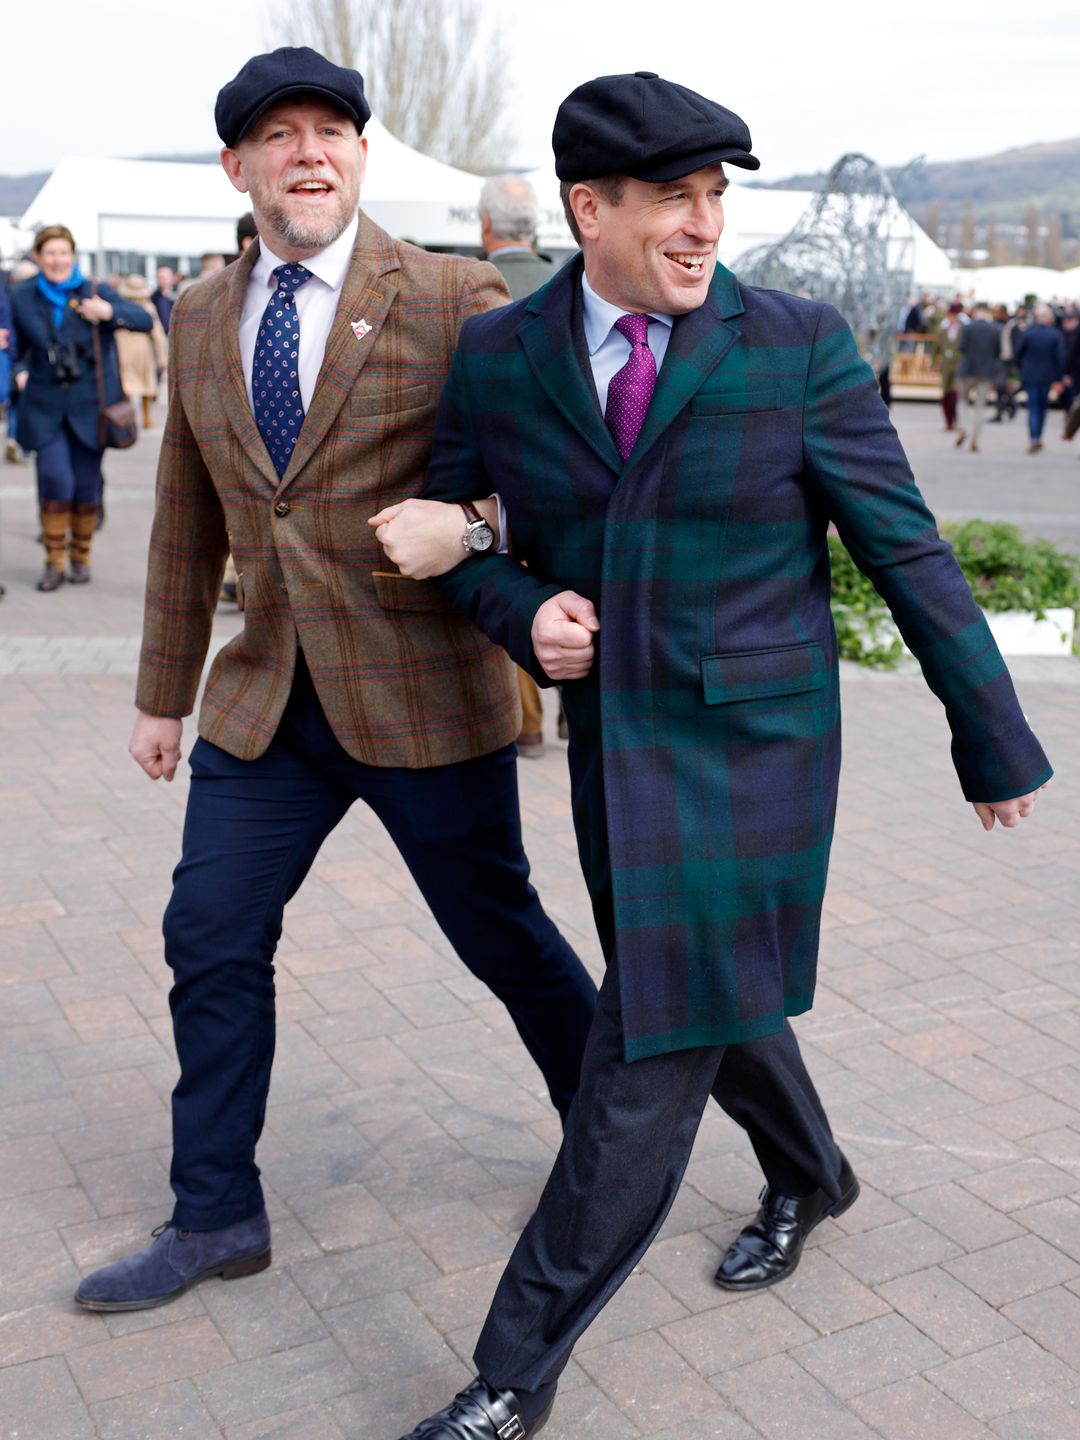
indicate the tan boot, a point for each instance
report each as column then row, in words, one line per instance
column 147, row 415
column 83, row 524
column 55, row 524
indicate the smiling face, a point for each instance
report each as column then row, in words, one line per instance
column 302, row 164
column 56, row 260
column 656, row 249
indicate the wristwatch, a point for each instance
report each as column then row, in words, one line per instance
column 479, row 535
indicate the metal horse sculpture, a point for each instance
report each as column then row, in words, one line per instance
column 854, row 247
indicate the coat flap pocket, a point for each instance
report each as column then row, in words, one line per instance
column 759, row 674
column 738, row 400
column 397, row 594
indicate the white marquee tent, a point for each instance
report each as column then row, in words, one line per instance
column 149, row 208
column 1009, row 284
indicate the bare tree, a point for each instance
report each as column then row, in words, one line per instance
column 967, row 235
column 435, row 76
column 1053, row 248
column 1032, row 236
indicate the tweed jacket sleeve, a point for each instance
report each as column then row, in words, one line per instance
column 853, row 455
column 494, row 591
column 189, row 544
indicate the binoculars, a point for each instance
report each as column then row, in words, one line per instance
column 66, row 361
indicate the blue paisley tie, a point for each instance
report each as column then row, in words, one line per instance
column 275, row 377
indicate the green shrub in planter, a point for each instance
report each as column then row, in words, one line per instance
column 1005, row 572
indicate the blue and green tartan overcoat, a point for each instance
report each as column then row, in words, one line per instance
column 705, row 743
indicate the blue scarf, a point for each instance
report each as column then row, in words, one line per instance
column 59, row 296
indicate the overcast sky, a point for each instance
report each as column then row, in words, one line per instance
column 912, row 77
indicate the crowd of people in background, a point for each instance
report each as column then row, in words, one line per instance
column 988, row 355
column 70, row 345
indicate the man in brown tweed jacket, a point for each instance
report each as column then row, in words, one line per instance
column 303, row 387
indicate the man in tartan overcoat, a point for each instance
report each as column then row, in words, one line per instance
column 681, row 594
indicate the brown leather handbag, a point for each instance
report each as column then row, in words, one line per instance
column 118, row 428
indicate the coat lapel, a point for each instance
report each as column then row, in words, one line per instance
column 228, row 371
column 547, row 335
column 369, row 291
column 699, row 341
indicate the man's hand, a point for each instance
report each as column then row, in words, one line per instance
column 562, row 635
column 155, row 745
column 3, row 339
column 1008, row 812
column 423, row 537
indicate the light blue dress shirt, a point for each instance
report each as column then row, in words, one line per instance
column 608, row 349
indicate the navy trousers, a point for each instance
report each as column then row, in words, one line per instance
column 252, row 831
column 626, row 1147
column 1038, row 402
column 68, row 471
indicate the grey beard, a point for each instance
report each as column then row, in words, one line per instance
column 302, row 231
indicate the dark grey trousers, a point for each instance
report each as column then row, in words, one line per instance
column 628, row 1140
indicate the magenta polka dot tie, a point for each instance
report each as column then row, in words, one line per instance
column 631, row 388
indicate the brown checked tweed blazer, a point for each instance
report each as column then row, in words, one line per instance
column 404, row 679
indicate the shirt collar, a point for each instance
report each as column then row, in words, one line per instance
column 330, row 265
column 600, row 316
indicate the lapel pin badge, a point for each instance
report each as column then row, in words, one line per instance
column 361, row 327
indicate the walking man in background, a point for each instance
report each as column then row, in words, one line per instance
column 303, row 386
column 980, row 359
column 1040, row 355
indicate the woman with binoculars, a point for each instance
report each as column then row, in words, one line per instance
column 54, row 316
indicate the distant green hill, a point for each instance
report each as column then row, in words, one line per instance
column 999, row 187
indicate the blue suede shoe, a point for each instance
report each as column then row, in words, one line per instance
column 175, row 1261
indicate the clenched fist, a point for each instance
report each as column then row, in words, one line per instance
column 562, row 635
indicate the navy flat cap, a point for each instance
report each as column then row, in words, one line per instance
column 645, row 127
column 266, row 79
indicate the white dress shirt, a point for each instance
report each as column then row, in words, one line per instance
column 316, row 305
column 608, row 348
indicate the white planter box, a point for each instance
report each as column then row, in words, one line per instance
column 1018, row 633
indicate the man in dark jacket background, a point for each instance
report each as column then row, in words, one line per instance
column 1040, row 354
column 980, row 351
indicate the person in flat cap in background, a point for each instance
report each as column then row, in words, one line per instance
column 670, row 447
column 303, row 383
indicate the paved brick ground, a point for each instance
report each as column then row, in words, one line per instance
column 408, row 1137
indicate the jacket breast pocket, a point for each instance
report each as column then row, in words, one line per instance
column 389, row 401
column 398, row 595
column 763, row 674
column 746, row 400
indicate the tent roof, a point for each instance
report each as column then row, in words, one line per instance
column 1008, row 284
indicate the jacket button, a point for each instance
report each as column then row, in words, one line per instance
column 282, row 508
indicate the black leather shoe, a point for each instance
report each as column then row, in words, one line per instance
column 479, row 1413
column 770, row 1248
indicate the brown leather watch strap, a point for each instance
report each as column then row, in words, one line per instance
column 472, row 514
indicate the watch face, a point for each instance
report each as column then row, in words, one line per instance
column 480, row 537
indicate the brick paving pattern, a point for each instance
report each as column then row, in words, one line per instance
column 408, row 1135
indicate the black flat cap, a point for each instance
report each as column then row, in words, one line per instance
column 266, row 79
column 644, row 127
